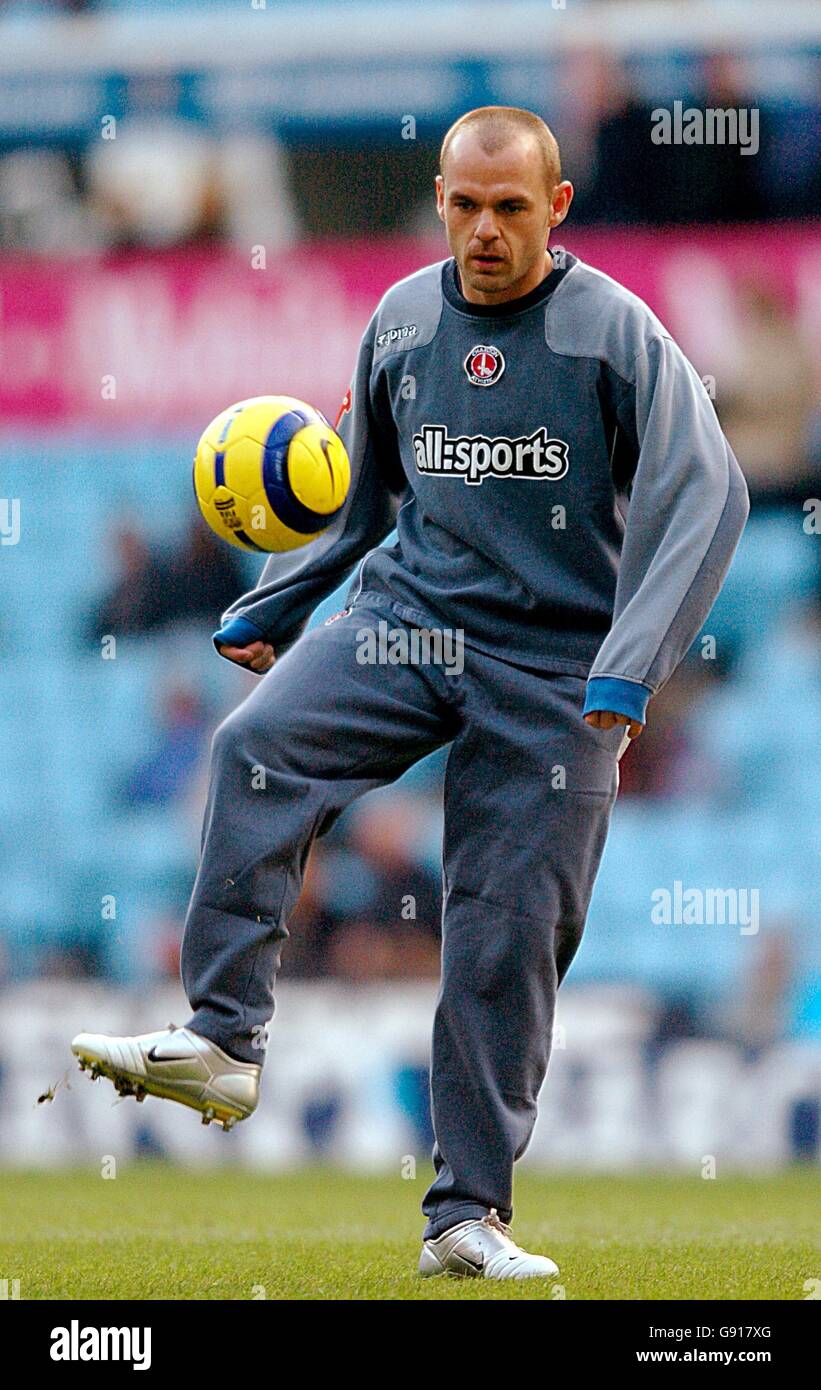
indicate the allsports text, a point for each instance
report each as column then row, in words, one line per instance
column 537, row 457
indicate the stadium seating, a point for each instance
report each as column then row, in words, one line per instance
column 95, row 719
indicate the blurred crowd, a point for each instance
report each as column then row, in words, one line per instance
column 165, row 181
column 372, row 899
column 371, row 903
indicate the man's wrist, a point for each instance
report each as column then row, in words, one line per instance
column 238, row 632
column 629, row 698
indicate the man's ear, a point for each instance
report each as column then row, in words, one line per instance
column 440, row 197
column 560, row 202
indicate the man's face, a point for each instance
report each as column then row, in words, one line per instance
column 498, row 212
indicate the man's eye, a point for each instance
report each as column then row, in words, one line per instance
column 513, row 207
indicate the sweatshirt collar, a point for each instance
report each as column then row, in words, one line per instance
column 452, row 290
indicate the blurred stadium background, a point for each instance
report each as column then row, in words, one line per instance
column 200, row 202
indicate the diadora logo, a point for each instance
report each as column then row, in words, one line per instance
column 475, row 457
column 393, row 335
column 484, row 365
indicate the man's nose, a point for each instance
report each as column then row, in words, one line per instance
column 486, row 229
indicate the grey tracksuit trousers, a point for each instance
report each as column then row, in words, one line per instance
column 528, row 794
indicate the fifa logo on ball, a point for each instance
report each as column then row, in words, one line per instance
column 226, row 507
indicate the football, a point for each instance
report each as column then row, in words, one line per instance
column 270, row 474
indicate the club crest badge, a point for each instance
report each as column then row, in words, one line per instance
column 484, row 365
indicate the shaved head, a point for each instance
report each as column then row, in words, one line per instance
column 496, row 127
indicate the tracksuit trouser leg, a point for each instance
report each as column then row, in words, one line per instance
column 528, row 794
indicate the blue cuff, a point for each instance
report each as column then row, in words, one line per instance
column 239, row 632
column 622, row 697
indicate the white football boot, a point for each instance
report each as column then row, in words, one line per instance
column 175, row 1064
column 482, row 1250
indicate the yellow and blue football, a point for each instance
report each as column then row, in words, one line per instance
column 270, row 474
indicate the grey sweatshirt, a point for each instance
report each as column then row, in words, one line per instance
column 561, row 490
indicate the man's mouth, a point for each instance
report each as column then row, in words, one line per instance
column 485, row 260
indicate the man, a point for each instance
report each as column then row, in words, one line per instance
column 569, row 508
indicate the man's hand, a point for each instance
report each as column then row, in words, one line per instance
column 606, row 718
column 257, row 656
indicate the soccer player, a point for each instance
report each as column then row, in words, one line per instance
column 566, row 509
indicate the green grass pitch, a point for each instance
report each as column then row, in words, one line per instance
column 157, row 1231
